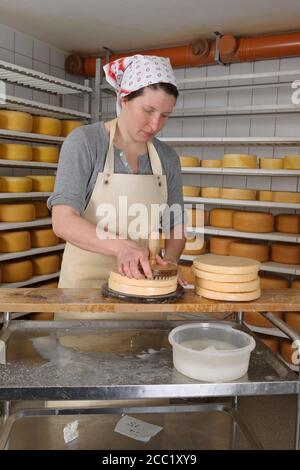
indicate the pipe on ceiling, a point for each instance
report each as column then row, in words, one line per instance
column 202, row 52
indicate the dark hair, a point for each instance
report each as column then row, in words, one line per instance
column 168, row 88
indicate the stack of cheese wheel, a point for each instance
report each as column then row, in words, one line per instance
column 42, row 183
column 265, row 195
column 196, row 217
column 287, row 253
column 286, row 196
column 46, row 125
column 226, row 277
column 189, row 161
column 45, row 154
column 195, row 246
column 16, row 121
column 271, row 342
column 187, row 273
column 16, row 271
column 190, row 191
column 18, row 152
column 239, row 160
column 141, row 287
column 43, row 237
column 16, row 184
column 69, row 126
column 41, row 209
column 234, row 193
column 287, row 223
column 17, row 212
column 271, row 163
column 11, row 242
column 211, row 192
column 211, row 163
column 222, row 218
column 248, row 249
column 257, row 222
column 291, row 162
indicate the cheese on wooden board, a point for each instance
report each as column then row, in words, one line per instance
column 256, row 222
column 211, row 276
column 195, row 246
column 220, row 245
column 16, row 121
column 228, row 286
column 189, row 161
column 286, row 196
column 11, row 242
column 19, row 152
column 17, row 212
column 68, row 126
column 291, row 162
column 41, row 209
column 45, row 264
column 226, row 264
column 43, row 237
column 256, row 251
column 271, row 342
column 287, row 223
column 46, row 125
column 211, row 192
column 256, row 319
column 271, row 163
column 45, row 154
column 186, row 271
column 240, row 194
column 269, row 281
column 42, row 183
column 190, row 191
column 287, row 253
column 211, row 163
column 16, row 184
column 239, row 160
column 234, row 297
column 16, row 271
column 265, row 195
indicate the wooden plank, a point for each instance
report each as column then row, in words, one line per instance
column 91, row 300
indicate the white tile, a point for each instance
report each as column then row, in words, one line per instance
column 57, row 57
column 211, row 153
column 7, row 37
column 239, row 97
column 22, row 92
column 193, row 100
column 73, row 78
column 191, row 180
column 23, row 61
column 41, row 66
column 258, row 182
column 41, row 51
column 284, row 183
column 216, row 98
column 71, row 102
column 23, row 44
column 57, row 72
column 237, row 127
column 232, row 181
column 6, row 55
column 262, row 66
column 288, row 126
column 262, row 127
column 192, row 127
column 173, row 128
column 40, row 96
column 215, row 127
column 241, row 68
column 212, row 181
column 265, row 95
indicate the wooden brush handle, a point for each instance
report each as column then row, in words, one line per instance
column 153, row 245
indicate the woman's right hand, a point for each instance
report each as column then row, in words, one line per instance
column 132, row 259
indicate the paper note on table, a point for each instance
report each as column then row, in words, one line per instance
column 137, row 429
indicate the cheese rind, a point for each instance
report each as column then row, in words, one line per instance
column 240, row 194
column 287, row 223
column 226, row 264
column 220, row 245
column 239, row 160
column 211, row 163
column 189, row 161
column 46, row 154
column 18, row 152
column 222, row 218
column 286, row 196
column 211, row 192
column 256, row 251
column 42, row 183
column 46, row 125
column 287, row 253
column 43, row 237
column 16, row 271
column 45, row 264
column 256, row 222
column 17, row 212
column 211, row 276
column 265, row 195
column 271, row 163
column 234, row 297
column 16, row 121
column 41, row 209
column 11, row 242
column 268, row 281
column 228, row 286
column 67, row 126
column 291, row 162
column 190, row 191
column 16, row 184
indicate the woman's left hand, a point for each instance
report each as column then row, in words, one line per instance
column 181, row 279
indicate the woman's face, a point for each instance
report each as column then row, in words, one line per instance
column 147, row 114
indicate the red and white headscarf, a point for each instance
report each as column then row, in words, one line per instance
column 129, row 74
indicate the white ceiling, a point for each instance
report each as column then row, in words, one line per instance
column 122, row 25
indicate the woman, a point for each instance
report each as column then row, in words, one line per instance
column 103, row 163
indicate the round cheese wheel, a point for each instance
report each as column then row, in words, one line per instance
column 228, row 286
column 141, row 291
column 287, row 253
column 226, row 264
column 265, row 195
column 196, row 217
column 43, row 237
column 11, row 242
column 19, row 152
column 221, row 218
column 257, row 222
column 190, row 191
column 46, row 125
column 220, row 245
column 256, row 319
column 257, row 251
column 124, row 280
column 291, row 162
column 295, row 284
column 41, row 183
column 210, row 276
column 17, row 212
column 211, row 163
column 211, row 192
column 287, row 351
column 41, row 209
column 195, row 246
column 16, row 271
column 293, row 319
column 271, row 342
column 15, row 121
column 233, row 297
column 271, row 163
column 233, row 193
column 189, row 161
column 68, row 126
column 46, row 154
column 269, row 281
column 287, row 223
column 239, row 160
column 286, row 196
column 187, row 273
column 45, row 264
column 16, row 184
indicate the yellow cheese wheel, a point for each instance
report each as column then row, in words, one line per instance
column 256, row 319
column 16, row 184
column 265, row 195
column 41, row 209
column 211, row 192
column 45, row 264
column 16, row 271
column 196, row 246
column 42, row 183
column 43, row 237
column 257, row 251
column 210, row 276
column 46, row 125
column 239, row 160
column 228, row 286
column 11, row 242
column 269, row 281
column 17, row 212
column 220, row 245
column 233, row 297
column 271, row 342
column 190, row 191
column 291, row 162
column 271, row 163
column 211, row 163
column 46, row 154
column 293, row 319
column 257, row 222
column 287, row 352
column 295, row 284
column 287, row 223
column 186, row 271
column 18, row 152
column 226, row 264
column 286, row 196
column 196, row 217
column 189, row 161
column 15, row 121
column 69, row 126
column 287, row 253
column 221, row 218
column 233, row 193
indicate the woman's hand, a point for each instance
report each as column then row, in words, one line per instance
column 181, row 279
column 133, row 260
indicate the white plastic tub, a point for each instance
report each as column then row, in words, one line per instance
column 221, row 353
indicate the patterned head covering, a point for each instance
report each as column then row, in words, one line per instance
column 129, row 74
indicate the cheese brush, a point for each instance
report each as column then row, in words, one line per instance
column 159, row 271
